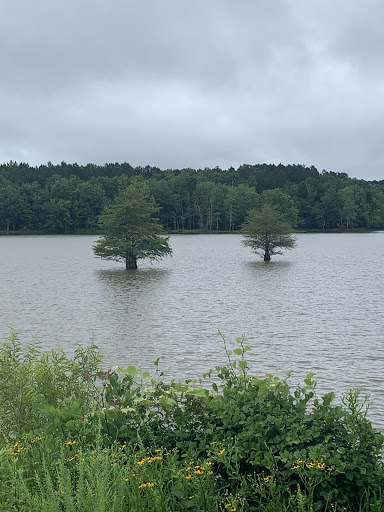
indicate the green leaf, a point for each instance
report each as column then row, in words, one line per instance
column 178, row 491
column 201, row 392
column 131, row 370
column 308, row 380
column 167, row 402
column 327, row 399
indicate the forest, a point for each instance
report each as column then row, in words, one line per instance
column 69, row 198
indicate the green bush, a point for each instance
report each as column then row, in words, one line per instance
column 32, row 381
column 269, row 446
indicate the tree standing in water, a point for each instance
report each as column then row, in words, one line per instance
column 266, row 232
column 131, row 230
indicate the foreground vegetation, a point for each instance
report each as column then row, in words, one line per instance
column 75, row 437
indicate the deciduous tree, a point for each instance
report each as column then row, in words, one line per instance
column 267, row 232
column 131, row 230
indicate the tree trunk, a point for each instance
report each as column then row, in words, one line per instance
column 130, row 261
column 267, row 256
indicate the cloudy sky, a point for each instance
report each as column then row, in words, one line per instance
column 176, row 83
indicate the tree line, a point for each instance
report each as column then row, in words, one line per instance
column 69, row 198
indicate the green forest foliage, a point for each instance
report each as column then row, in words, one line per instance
column 69, row 198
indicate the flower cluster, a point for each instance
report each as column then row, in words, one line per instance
column 16, row 449
column 299, row 464
column 149, row 459
column 74, row 457
column 198, row 470
column 147, row 484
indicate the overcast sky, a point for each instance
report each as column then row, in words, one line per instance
column 176, row 83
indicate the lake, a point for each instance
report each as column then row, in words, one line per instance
column 318, row 308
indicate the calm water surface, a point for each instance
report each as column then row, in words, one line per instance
column 319, row 308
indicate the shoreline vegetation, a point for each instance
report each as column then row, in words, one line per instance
column 70, row 198
column 78, row 437
column 185, row 232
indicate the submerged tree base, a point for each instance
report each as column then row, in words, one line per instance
column 130, row 263
column 267, row 256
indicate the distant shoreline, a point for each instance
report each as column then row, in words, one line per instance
column 185, row 232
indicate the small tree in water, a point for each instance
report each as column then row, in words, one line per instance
column 266, row 232
column 131, row 230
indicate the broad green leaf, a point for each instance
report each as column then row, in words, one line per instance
column 131, row 370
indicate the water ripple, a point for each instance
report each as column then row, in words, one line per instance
column 318, row 308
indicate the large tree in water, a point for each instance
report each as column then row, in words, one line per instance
column 131, row 229
column 266, row 232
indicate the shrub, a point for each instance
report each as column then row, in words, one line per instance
column 267, row 443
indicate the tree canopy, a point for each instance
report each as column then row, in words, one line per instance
column 266, row 232
column 131, row 230
column 69, row 198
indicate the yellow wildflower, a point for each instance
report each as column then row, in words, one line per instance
column 222, row 451
column 72, row 458
column 188, row 477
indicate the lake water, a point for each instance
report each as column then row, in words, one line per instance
column 318, row 308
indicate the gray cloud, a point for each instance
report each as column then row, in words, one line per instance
column 203, row 83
